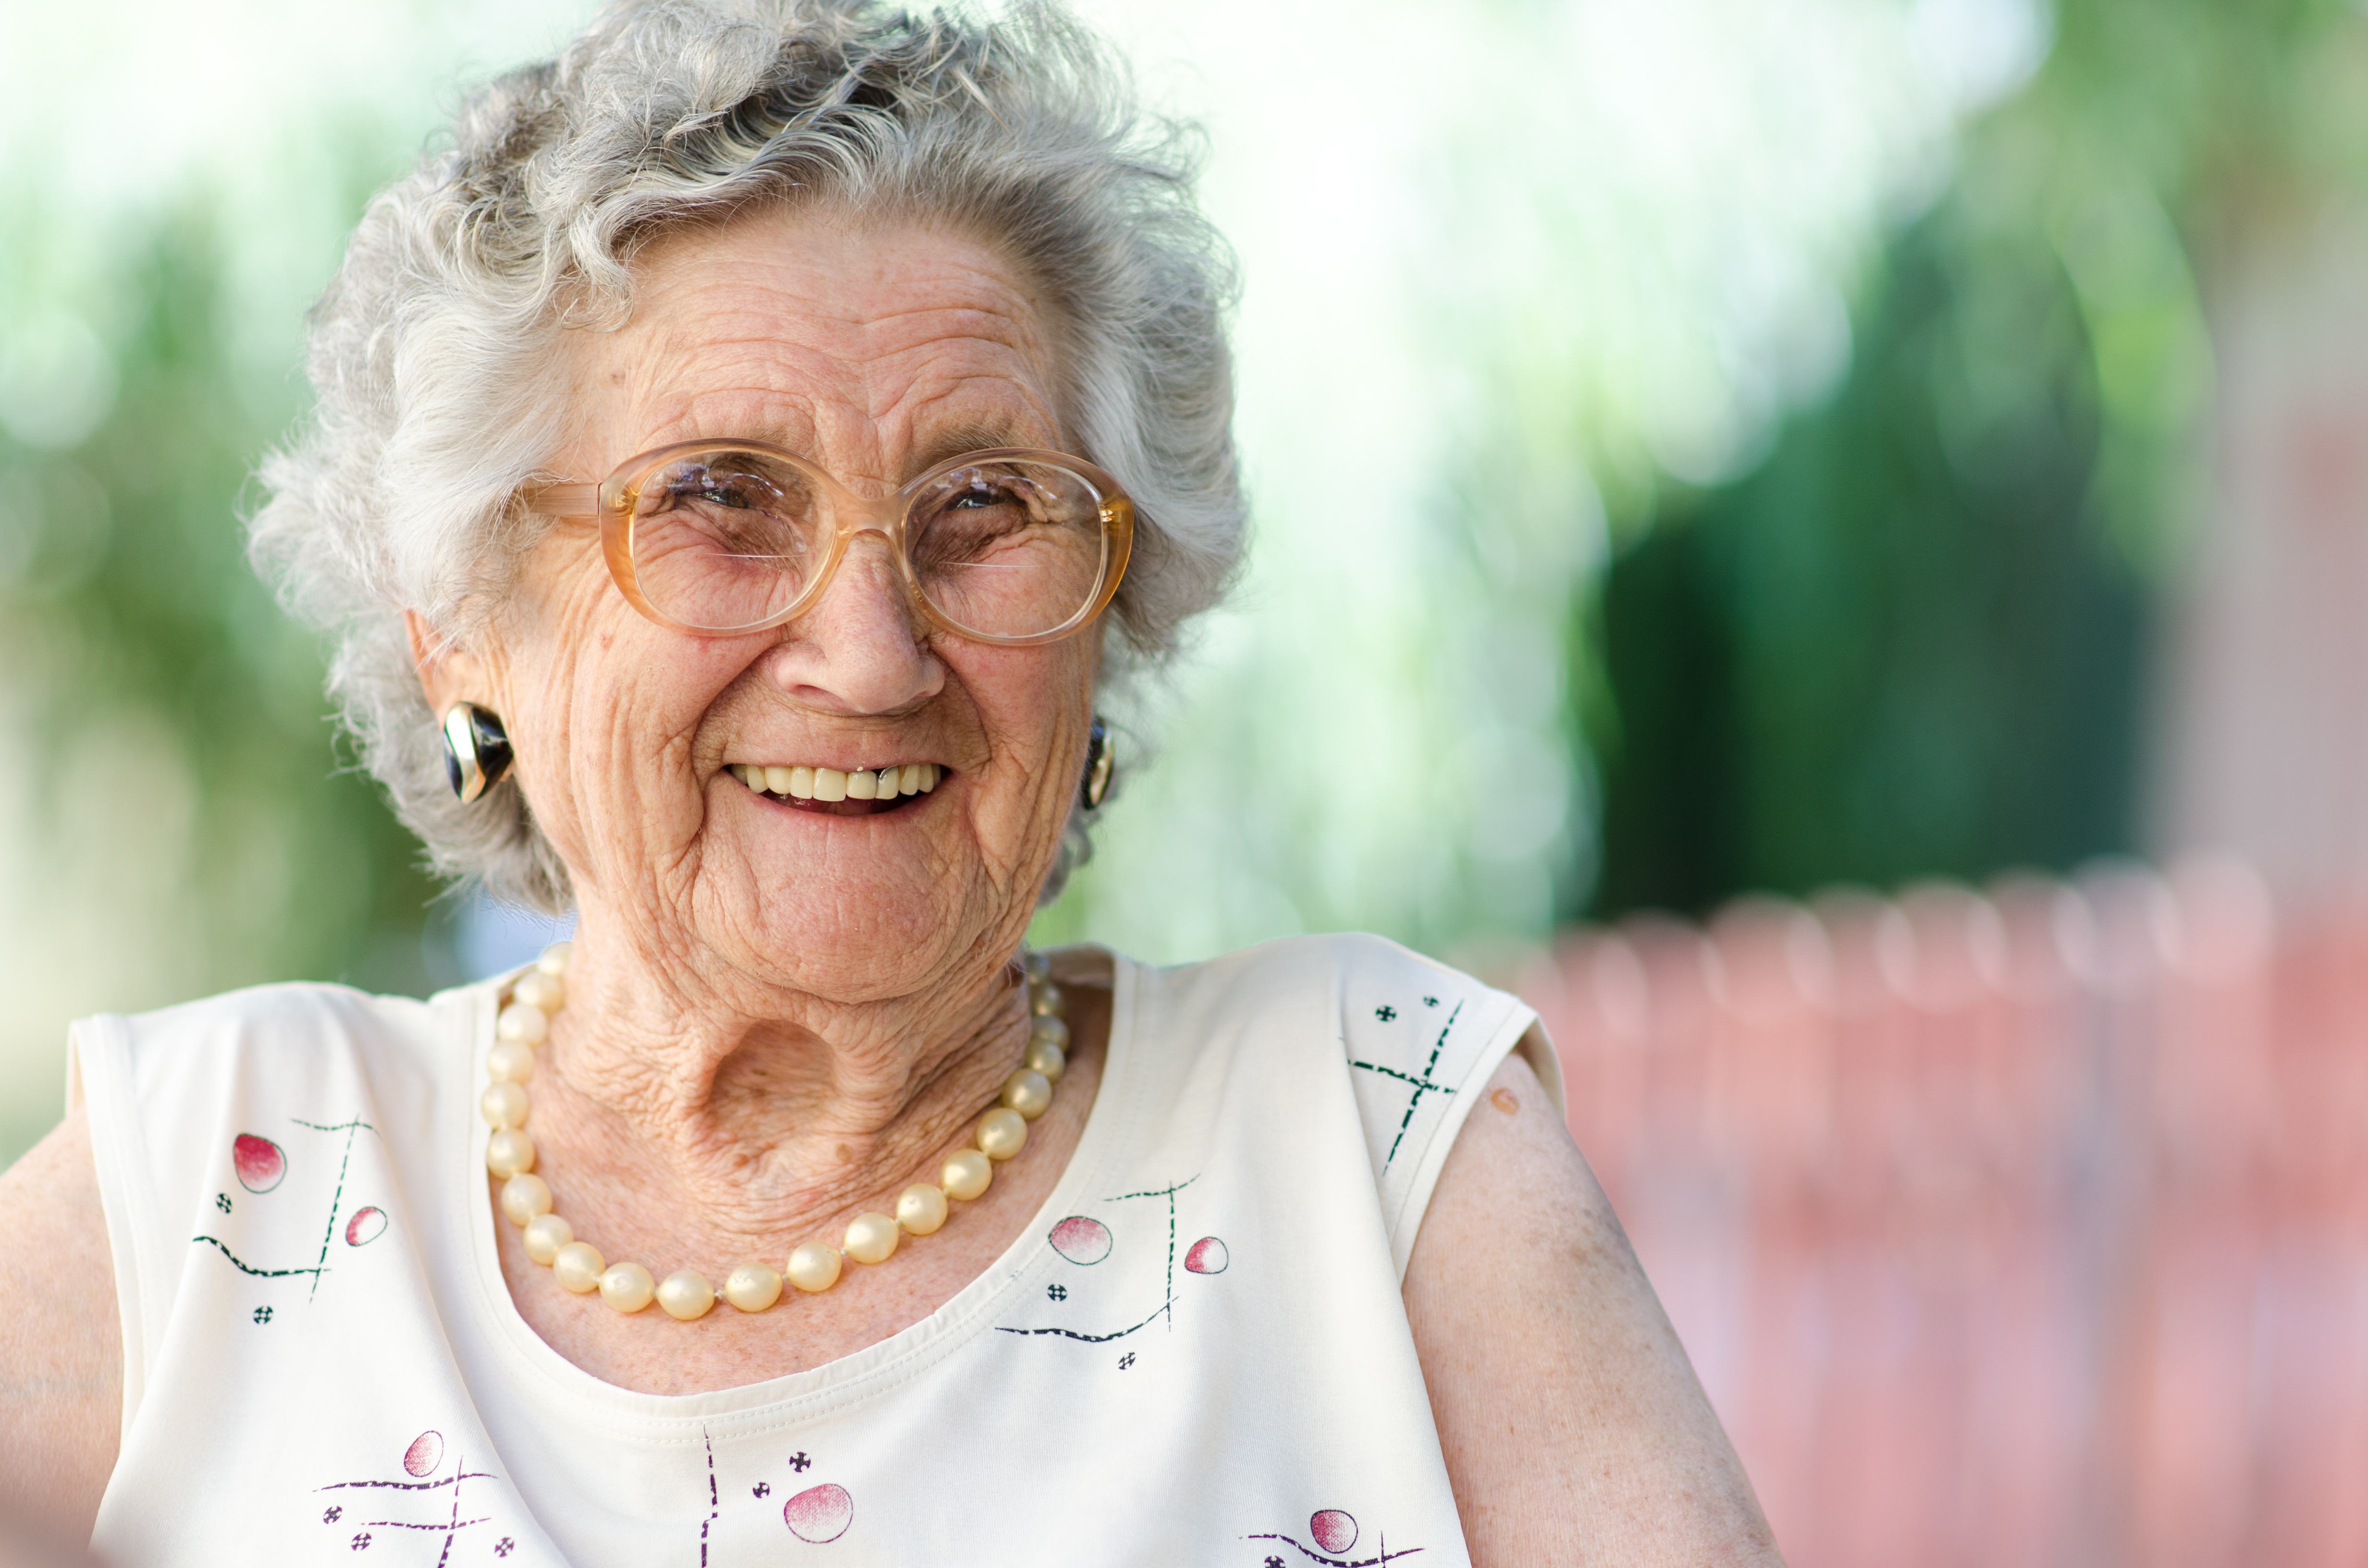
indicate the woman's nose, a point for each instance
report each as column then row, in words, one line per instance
column 859, row 649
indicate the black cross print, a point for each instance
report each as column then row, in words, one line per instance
column 1126, row 1360
column 503, row 1547
column 762, row 1489
column 1422, row 1085
column 1274, row 1562
column 362, row 1541
column 1431, row 1001
column 798, row 1461
column 333, row 1516
column 1057, row 1293
column 221, row 1201
column 263, row 1314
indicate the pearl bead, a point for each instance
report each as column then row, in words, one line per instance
column 1044, row 1001
column 920, row 1208
column 1052, row 1030
column 545, row 1235
column 510, row 1150
column 555, row 958
column 504, row 1105
column 627, row 1287
column 752, row 1286
column 966, row 1174
column 814, row 1266
column 1035, row 965
column 685, row 1294
column 510, row 1062
column 1027, row 1091
column 577, row 1266
column 1002, row 1132
column 540, row 991
column 520, row 1022
column 1047, row 1058
column 524, row 1196
column 872, row 1238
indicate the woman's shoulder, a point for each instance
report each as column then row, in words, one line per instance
column 309, row 1014
column 294, row 1029
column 1355, row 976
column 1403, row 1041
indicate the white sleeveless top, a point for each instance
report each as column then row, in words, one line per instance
column 1195, row 1353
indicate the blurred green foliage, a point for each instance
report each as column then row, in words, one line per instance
column 1903, row 647
column 139, row 638
column 1917, row 640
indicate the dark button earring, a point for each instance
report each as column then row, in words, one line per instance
column 1101, row 763
column 476, row 750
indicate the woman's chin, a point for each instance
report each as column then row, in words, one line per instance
column 830, row 892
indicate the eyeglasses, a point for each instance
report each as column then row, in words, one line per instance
column 1007, row 546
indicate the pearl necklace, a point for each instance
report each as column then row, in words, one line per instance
column 922, row 1208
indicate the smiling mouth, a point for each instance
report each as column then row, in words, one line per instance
column 862, row 792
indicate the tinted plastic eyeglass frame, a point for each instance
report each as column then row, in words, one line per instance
column 614, row 504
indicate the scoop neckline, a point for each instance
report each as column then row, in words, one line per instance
column 794, row 1398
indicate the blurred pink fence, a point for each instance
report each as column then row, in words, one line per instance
column 2020, row 1228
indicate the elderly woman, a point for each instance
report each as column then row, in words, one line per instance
column 743, row 460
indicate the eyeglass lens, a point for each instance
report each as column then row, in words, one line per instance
column 1006, row 547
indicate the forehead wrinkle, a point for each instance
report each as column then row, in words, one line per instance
column 843, row 293
column 821, row 350
column 906, row 383
column 915, row 330
column 876, row 409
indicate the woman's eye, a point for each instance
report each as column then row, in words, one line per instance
column 972, row 499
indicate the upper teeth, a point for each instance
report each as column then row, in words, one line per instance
column 830, row 784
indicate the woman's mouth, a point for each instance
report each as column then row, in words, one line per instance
column 862, row 792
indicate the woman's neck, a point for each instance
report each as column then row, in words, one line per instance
column 683, row 1106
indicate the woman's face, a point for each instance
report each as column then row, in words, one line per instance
column 875, row 350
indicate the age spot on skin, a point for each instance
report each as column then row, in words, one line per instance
column 1504, row 1101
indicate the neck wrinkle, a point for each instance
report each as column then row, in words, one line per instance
column 744, row 1125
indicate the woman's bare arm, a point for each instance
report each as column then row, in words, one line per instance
column 61, row 1349
column 1574, row 1426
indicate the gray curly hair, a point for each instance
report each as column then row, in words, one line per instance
column 433, row 351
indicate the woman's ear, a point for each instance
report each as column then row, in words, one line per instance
column 448, row 671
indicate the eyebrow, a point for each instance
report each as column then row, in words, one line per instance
column 943, row 445
column 955, row 442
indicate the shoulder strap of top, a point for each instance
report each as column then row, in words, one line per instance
column 1420, row 1039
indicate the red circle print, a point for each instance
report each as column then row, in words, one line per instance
column 1081, row 1240
column 1207, row 1256
column 819, row 1513
column 258, row 1162
column 365, row 1227
column 426, row 1451
column 1334, row 1529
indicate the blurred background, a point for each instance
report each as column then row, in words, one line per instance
column 1826, row 541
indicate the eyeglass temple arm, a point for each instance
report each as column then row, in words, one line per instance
column 565, row 500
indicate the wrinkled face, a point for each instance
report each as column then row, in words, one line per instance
column 874, row 350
